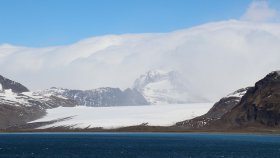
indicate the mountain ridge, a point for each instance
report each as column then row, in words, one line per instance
column 256, row 107
column 104, row 96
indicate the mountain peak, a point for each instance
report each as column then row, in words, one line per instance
column 271, row 78
column 165, row 87
column 150, row 77
column 274, row 74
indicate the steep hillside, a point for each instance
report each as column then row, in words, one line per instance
column 216, row 112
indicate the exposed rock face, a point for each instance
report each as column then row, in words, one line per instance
column 14, row 86
column 99, row 97
column 18, row 115
column 216, row 112
column 161, row 87
column 260, row 106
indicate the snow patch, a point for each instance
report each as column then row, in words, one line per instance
column 7, row 96
column 239, row 93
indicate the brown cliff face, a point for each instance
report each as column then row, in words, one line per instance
column 260, row 106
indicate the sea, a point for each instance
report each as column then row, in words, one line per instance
column 138, row 145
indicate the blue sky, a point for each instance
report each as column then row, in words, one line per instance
column 40, row 23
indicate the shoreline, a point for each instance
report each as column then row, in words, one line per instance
column 149, row 129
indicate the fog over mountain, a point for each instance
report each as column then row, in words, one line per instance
column 215, row 58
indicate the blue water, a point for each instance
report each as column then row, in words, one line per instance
column 138, row 145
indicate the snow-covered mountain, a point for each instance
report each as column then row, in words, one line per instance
column 165, row 87
column 15, row 94
column 105, row 96
column 18, row 105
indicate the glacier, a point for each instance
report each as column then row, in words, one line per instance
column 114, row 117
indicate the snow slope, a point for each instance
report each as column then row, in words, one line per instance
column 113, row 117
column 238, row 94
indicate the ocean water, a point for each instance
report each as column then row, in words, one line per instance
column 138, row 145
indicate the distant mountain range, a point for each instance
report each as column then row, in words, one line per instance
column 153, row 87
column 19, row 105
column 255, row 107
column 105, row 96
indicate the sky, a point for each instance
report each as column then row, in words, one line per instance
column 217, row 47
column 41, row 23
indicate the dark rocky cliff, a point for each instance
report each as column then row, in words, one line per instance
column 260, row 106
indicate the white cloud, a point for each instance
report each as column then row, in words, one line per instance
column 216, row 58
column 260, row 11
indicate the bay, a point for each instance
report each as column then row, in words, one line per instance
column 138, row 145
